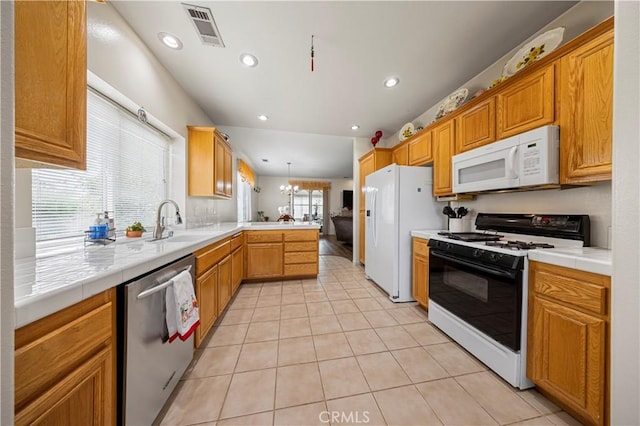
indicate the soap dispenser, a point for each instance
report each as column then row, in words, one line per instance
column 111, row 228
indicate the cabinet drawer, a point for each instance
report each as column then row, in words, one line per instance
column 210, row 255
column 41, row 362
column 264, row 236
column 236, row 241
column 301, row 269
column 306, row 235
column 582, row 290
column 304, row 246
column 420, row 247
column 302, row 257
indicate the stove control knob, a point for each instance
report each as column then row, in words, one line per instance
column 494, row 257
column 478, row 252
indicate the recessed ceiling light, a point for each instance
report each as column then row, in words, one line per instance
column 391, row 82
column 263, row 117
column 248, row 60
column 170, row 40
column 355, row 127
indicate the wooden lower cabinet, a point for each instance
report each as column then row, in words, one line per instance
column 264, row 260
column 206, row 292
column 420, row 271
column 237, row 268
column 224, row 283
column 65, row 365
column 301, row 253
column 568, row 339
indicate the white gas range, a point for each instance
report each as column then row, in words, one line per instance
column 478, row 283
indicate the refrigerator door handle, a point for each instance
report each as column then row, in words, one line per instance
column 374, row 227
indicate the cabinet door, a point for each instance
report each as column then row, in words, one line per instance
column 224, row 283
column 222, row 168
column 201, row 181
column 527, row 104
column 206, row 292
column 228, row 173
column 566, row 356
column 366, row 168
column 51, row 82
column 420, row 151
column 420, row 271
column 401, row 155
column 237, row 268
column 265, row 260
column 84, row 397
column 443, row 140
column 477, row 126
column 586, row 112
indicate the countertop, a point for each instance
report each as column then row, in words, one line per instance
column 589, row 259
column 45, row 285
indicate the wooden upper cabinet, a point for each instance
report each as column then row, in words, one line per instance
column 443, row 142
column 586, row 112
column 209, row 167
column 223, row 168
column 373, row 160
column 401, row 154
column 51, row 82
column 420, row 149
column 477, row 126
column 526, row 104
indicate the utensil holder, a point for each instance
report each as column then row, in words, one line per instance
column 459, row 225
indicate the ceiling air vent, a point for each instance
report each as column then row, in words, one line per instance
column 202, row 19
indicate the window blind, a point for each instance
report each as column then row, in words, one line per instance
column 126, row 175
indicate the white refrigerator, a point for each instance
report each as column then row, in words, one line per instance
column 398, row 199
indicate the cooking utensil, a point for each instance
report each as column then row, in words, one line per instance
column 462, row 211
column 447, row 210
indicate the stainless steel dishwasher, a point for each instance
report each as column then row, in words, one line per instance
column 149, row 367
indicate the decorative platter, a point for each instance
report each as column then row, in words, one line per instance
column 536, row 49
column 407, row 131
column 452, row 102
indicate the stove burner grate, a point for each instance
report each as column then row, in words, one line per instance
column 518, row 245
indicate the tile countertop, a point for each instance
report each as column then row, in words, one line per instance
column 46, row 285
column 589, row 259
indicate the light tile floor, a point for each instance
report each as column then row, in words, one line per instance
column 336, row 350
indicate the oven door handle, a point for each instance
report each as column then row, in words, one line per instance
column 511, row 274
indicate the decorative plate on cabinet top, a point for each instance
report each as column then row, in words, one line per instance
column 407, row 131
column 452, row 102
column 536, row 49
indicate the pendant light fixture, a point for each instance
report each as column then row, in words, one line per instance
column 288, row 189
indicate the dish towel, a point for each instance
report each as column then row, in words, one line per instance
column 182, row 307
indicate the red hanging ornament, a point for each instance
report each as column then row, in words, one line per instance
column 374, row 141
column 379, row 134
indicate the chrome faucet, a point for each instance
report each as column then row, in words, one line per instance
column 159, row 229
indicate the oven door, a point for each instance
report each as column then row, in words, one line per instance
column 485, row 297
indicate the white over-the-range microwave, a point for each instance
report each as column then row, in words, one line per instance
column 529, row 159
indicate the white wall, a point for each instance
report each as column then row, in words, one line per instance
column 6, row 218
column 625, row 317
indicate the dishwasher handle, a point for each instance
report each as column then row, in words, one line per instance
column 160, row 287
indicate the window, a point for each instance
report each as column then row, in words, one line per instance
column 308, row 203
column 127, row 173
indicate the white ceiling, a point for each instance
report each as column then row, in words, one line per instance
column 432, row 46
